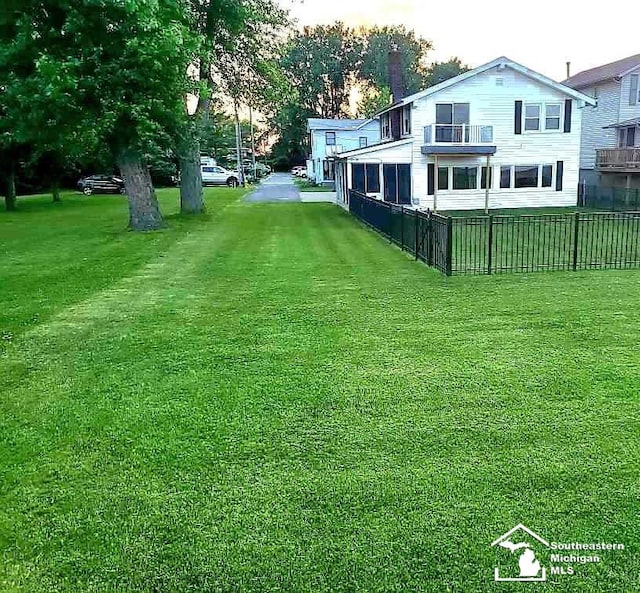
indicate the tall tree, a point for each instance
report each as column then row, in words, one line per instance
column 377, row 42
column 237, row 61
column 321, row 62
column 109, row 76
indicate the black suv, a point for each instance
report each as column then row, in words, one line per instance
column 101, row 184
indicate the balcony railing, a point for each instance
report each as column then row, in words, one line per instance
column 618, row 158
column 457, row 134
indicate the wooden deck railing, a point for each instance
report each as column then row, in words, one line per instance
column 618, row 158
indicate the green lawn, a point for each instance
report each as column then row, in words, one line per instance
column 272, row 398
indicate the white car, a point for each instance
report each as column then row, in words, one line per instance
column 299, row 171
column 216, row 175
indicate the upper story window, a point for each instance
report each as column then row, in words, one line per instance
column 406, row 120
column 553, row 113
column 634, row 91
column 452, row 113
column 363, row 142
column 627, row 137
column 330, row 138
column 385, row 125
column 532, row 117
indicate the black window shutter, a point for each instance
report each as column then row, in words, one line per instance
column 431, row 172
column 518, row 118
column 567, row 115
column 559, row 173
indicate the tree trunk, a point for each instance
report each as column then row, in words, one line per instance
column 144, row 210
column 191, row 200
column 10, row 192
column 55, row 190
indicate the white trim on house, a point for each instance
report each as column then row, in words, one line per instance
column 374, row 148
column 502, row 62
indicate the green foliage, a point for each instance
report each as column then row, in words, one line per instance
column 378, row 41
column 89, row 79
column 440, row 71
column 374, row 100
column 321, row 63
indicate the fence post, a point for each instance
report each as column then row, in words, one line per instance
column 449, row 247
column 429, row 236
column 416, row 228
column 490, row 242
column 402, row 228
column 576, row 235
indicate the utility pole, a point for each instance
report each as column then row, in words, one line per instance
column 253, row 144
column 239, row 146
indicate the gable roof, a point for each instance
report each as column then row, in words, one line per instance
column 503, row 62
column 336, row 124
column 602, row 73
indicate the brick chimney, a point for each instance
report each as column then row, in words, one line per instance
column 396, row 75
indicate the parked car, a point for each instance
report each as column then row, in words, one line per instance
column 219, row 176
column 101, row 184
column 299, row 171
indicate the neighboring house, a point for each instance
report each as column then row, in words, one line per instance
column 610, row 152
column 437, row 145
column 327, row 137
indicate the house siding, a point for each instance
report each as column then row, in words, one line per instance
column 628, row 111
column 491, row 104
column 345, row 140
column 594, row 119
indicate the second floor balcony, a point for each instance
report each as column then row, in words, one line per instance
column 458, row 139
column 618, row 159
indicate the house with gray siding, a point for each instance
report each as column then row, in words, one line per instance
column 498, row 136
column 327, row 137
column 610, row 147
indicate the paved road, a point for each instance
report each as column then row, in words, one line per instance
column 278, row 187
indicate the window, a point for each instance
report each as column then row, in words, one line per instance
column 532, row 117
column 505, row 177
column 552, row 116
column 365, row 177
column 483, row 178
column 443, row 178
column 363, row 141
column 397, row 183
column 547, row 175
column 385, row 123
column 329, row 170
column 406, row 120
column 465, row 177
column 209, row 170
column 450, row 119
column 331, row 138
column 633, row 90
column 372, row 177
column 526, row 176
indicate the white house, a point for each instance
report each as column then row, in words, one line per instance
column 610, row 151
column 437, row 145
column 327, row 137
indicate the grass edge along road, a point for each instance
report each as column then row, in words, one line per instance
column 273, row 398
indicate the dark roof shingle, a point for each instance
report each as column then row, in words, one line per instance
column 606, row 72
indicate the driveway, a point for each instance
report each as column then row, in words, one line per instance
column 278, row 187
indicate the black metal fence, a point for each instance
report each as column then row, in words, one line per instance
column 507, row 243
column 611, row 199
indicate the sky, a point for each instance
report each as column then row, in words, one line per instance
column 542, row 34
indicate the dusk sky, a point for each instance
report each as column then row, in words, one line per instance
column 542, row 35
